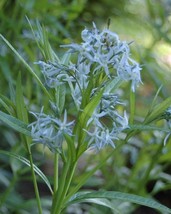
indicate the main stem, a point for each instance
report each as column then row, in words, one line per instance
column 64, row 185
column 132, row 107
column 56, row 174
column 35, row 182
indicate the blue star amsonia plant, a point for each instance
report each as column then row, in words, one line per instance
column 98, row 62
column 86, row 79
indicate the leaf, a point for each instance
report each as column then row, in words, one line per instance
column 113, row 85
column 83, row 196
column 84, row 116
column 14, row 123
column 6, row 107
column 41, row 38
column 26, row 162
column 103, row 202
column 60, row 97
column 20, row 105
column 147, row 128
column 89, row 109
column 7, row 103
column 26, row 65
column 154, row 100
column 158, row 111
column 154, row 114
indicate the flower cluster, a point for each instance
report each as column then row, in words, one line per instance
column 50, row 131
column 104, row 50
column 105, row 134
column 99, row 59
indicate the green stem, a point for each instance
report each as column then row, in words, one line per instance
column 57, row 194
column 132, row 107
column 56, row 158
column 35, row 182
column 64, row 185
column 88, row 174
column 36, row 190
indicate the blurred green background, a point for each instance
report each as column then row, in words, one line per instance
column 143, row 166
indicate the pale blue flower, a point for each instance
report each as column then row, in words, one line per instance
column 104, row 134
column 121, row 122
column 55, row 74
column 106, row 106
column 50, row 131
column 109, row 101
column 95, row 118
column 128, row 69
column 86, row 35
column 168, row 113
column 102, row 50
column 101, row 138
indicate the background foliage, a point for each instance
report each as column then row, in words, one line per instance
column 143, row 165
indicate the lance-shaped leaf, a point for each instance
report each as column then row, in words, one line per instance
column 14, row 123
column 84, row 196
column 27, row 162
column 158, row 111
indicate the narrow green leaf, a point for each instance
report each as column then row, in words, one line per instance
column 66, row 58
column 22, row 113
column 113, row 85
column 84, row 177
column 71, row 147
column 147, row 128
column 60, row 97
column 8, row 103
column 103, row 202
column 12, row 92
column 135, row 129
column 152, row 106
column 20, row 105
column 14, row 123
column 27, row 162
column 84, row 116
column 158, row 111
column 89, row 109
column 6, row 107
column 82, row 197
column 5, row 68
column 43, row 42
column 26, row 65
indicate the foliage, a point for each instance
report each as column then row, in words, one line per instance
column 122, row 178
